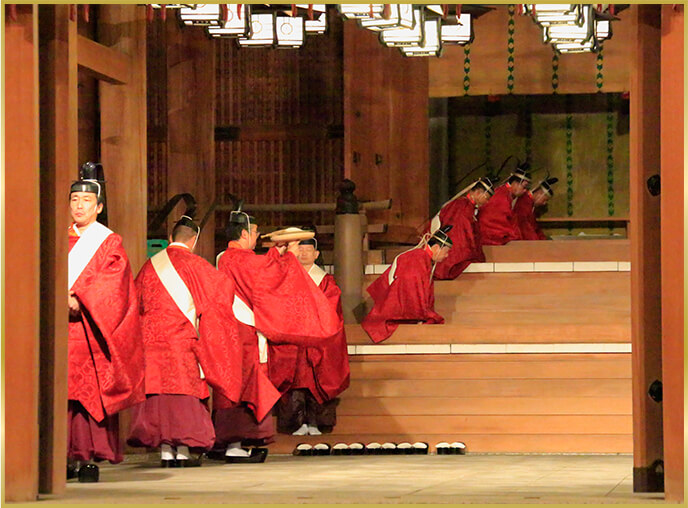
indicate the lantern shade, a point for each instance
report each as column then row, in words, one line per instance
column 237, row 24
column 405, row 36
column 432, row 45
column 201, row 15
column 262, row 31
column 401, row 16
column 457, row 29
column 572, row 32
column 317, row 26
column 357, row 11
column 289, row 32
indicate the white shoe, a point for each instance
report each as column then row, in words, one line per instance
column 166, row 452
column 183, row 453
column 235, row 450
column 313, row 431
column 301, row 431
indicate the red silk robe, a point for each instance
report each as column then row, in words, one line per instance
column 173, row 349
column 409, row 299
column 524, row 210
column 496, row 219
column 288, row 308
column 465, row 235
column 324, row 370
column 105, row 358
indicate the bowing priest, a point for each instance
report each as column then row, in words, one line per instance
column 496, row 219
column 310, row 378
column 530, row 206
column 190, row 341
column 274, row 300
column 462, row 212
column 404, row 293
column 105, row 347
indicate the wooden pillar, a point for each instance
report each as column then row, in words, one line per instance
column 123, row 129
column 644, row 234
column 672, row 212
column 191, row 124
column 59, row 144
column 21, row 256
column 386, row 127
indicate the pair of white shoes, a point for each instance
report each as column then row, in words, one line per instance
column 307, row 430
column 168, row 452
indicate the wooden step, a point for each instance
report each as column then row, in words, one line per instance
column 406, row 406
column 493, row 331
column 614, row 366
column 490, row 388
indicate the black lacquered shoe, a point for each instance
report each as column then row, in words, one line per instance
column 191, row 462
column 72, row 471
column 168, row 463
column 257, row 456
column 88, row 473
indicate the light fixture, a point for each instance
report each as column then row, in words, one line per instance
column 262, row 31
column 237, row 24
column 577, row 47
column 555, row 14
column 457, row 29
column 405, row 36
column 572, row 32
column 400, row 16
column 289, row 32
column 357, row 11
column 201, row 15
column 603, row 29
column 431, row 46
column 317, row 26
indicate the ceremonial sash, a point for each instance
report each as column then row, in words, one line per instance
column 175, row 287
column 317, row 274
column 84, row 250
column 244, row 314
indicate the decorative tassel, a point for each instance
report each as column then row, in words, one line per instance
column 371, row 10
column 163, row 11
column 13, row 12
column 387, row 11
column 149, row 12
column 239, row 11
column 445, row 11
column 72, row 12
column 310, row 12
column 86, row 12
column 294, row 12
column 224, row 10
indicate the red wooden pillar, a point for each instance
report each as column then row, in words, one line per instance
column 21, row 257
column 644, row 234
column 672, row 203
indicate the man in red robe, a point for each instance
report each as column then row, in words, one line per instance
column 310, row 378
column 190, row 341
column 105, row 347
column 274, row 300
column 404, row 293
column 496, row 219
column 529, row 207
column 462, row 213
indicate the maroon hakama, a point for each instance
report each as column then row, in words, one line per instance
column 88, row 439
column 465, row 235
column 496, row 219
column 410, row 298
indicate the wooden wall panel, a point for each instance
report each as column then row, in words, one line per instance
column 644, row 234
column 59, row 162
column 21, row 217
column 386, row 126
column 156, row 111
column 672, row 212
column 123, row 129
column 190, row 122
column 532, row 60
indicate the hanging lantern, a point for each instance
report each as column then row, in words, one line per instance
column 237, row 24
column 262, row 31
column 431, row 46
column 201, row 15
column 572, row 32
column 317, row 26
column 555, row 14
column 289, row 32
column 405, row 36
column 400, row 16
column 357, row 11
column 457, row 29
